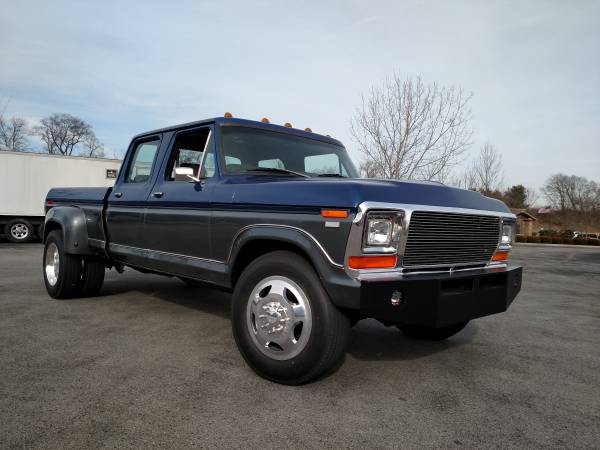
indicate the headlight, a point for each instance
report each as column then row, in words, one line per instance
column 383, row 230
column 508, row 234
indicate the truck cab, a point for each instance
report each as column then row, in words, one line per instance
column 279, row 217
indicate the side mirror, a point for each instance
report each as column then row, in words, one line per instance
column 185, row 174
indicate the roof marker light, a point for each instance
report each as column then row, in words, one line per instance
column 287, row 125
column 308, row 129
column 265, row 120
column 228, row 115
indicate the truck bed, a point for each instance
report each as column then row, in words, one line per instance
column 77, row 196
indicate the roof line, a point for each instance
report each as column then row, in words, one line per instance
column 244, row 122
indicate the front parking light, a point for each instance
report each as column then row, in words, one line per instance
column 373, row 262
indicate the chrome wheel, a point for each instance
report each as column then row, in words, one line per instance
column 279, row 317
column 52, row 264
column 19, row 231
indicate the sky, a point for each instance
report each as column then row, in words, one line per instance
column 127, row 67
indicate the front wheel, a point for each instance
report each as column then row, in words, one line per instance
column 432, row 334
column 283, row 321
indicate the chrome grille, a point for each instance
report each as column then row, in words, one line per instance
column 447, row 239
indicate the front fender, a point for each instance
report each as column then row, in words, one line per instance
column 343, row 290
column 72, row 223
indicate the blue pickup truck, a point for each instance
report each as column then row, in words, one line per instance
column 279, row 217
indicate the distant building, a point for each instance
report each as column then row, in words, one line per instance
column 524, row 222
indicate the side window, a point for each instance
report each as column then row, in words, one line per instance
column 188, row 151
column 141, row 164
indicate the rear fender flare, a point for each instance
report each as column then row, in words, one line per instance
column 72, row 223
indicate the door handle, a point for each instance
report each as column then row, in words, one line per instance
column 158, row 194
column 118, row 194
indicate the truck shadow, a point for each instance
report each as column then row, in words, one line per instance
column 172, row 290
column 369, row 339
column 373, row 341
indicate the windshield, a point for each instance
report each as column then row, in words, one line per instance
column 254, row 151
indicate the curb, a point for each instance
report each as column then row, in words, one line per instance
column 536, row 244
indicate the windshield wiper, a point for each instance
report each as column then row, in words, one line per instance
column 334, row 175
column 277, row 170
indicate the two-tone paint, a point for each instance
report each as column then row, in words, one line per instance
column 209, row 230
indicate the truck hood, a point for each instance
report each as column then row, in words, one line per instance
column 340, row 193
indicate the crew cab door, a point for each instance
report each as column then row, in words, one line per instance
column 126, row 202
column 177, row 222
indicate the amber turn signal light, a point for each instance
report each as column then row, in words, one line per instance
column 372, row 262
column 500, row 256
column 334, row 213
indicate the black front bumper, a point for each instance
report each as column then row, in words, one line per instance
column 438, row 300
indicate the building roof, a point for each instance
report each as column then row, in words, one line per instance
column 522, row 213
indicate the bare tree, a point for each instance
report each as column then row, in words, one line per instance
column 93, row 147
column 487, row 169
column 13, row 133
column 407, row 129
column 532, row 197
column 466, row 180
column 556, row 191
column 62, row 133
column 570, row 192
column 368, row 170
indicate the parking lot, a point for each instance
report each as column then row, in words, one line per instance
column 152, row 363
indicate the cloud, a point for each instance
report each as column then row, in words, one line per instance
column 127, row 67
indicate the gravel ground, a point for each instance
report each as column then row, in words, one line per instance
column 152, row 363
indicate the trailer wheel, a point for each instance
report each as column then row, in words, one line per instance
column 62, row 272
column 19, row 231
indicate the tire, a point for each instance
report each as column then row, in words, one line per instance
column 432, row 334
column 62, row 272
column 92, row 277
column 19, row 231
column 283, row 282
column 39, row 231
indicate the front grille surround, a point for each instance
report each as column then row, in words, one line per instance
column 411, row 265
column 450, row 239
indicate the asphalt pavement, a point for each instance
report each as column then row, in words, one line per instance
column 151, row 363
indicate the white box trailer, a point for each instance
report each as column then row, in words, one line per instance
column 26, row 178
